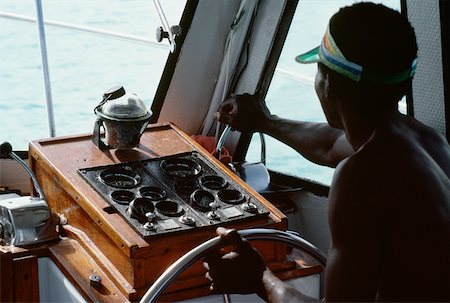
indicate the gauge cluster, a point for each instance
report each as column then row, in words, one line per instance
column 172, row 194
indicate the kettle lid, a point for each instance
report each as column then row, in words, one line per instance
column 118, row 105
column 114, row 92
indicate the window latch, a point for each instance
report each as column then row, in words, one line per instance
column 165, row 31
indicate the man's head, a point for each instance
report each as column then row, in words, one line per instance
column 368, row 45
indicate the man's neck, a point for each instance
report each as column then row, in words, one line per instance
column 360, row 126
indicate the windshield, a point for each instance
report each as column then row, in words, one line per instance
column 291, row 93
column 82, row 65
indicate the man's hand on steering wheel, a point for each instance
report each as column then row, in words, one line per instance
column 239, row 271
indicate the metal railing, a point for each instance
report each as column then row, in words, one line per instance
column 88, row 30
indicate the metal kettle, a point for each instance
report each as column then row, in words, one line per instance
column 124, row 118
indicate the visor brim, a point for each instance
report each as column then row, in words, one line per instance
column 309, row 57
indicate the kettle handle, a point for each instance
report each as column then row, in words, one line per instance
column 96, row 135
column 144, row 127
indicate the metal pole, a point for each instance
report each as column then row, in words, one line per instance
column 48, row 89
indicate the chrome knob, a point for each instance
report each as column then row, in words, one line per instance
column 150, row 217
column 213, row 215
column 249, row 207
column 187, row 218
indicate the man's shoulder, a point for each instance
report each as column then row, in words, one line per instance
column 392, row 158
column 354, row 178
column 365, row 164
column 381, row 160
column 368, row 174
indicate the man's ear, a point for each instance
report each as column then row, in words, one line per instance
column 336, row 87
column 328, row 86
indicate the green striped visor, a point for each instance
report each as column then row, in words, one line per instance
column 329, row 54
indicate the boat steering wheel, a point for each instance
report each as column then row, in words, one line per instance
column 172, row 272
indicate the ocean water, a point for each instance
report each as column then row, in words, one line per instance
column 83, row 65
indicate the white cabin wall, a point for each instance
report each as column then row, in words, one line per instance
column 13, row 176
column 197, row 70
column 192, row 87
column 310, row 218
column 54, row 286
column 428, row 84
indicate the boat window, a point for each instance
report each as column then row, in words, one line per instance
column 291, row 93
column 114, row 44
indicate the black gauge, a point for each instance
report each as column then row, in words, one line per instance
column 230, row 196
column 153, row 193
column 185, row 187
column 169, row 208
column 213, row 182
column 123, row 196
column 202, row 198
column 182, row 168
column 139, row 207
column 120, row 177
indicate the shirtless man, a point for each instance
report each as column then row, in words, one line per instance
column 389, row 202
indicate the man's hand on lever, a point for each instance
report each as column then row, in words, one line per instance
column 318, row 142
column 245, row 113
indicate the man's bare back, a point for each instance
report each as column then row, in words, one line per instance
column 394, row 191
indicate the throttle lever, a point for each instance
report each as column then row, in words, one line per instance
column 6, row 153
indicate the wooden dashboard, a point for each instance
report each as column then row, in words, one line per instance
column 132, row 262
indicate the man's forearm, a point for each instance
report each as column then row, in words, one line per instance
column 318, row 142
column 278, row 291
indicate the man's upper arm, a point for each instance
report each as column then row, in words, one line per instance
column 352, row 268
column 341, row 149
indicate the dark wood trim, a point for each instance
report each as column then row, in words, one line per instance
column 6, row 277
column 444, row 9
column 26, row 279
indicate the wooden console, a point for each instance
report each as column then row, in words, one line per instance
column 131, row 262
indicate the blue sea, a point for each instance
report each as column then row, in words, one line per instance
column 83, row 65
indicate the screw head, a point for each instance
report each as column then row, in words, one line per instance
column 95, row 280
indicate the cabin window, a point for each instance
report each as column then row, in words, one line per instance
column 82, row 64
column 291, row 93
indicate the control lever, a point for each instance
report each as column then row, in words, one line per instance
column 221, row 141
column 6, row 152
column 25, row 220
column 256, row 174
